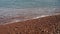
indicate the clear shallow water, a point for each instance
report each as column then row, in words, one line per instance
column 10, row 15
column 16, row 10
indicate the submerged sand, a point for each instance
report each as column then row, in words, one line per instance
column 45, row 25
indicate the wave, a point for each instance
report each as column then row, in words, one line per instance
column 15, row 15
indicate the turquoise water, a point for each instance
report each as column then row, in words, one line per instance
column 28, row 3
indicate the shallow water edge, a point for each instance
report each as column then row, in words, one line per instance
column 15, row 15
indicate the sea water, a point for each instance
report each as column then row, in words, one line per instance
column 28, row 3
column 27, row 8
column 15, row 5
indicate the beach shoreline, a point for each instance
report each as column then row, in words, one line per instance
column 43, row 25
column 10, row 14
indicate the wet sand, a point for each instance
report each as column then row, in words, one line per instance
column 45, row 25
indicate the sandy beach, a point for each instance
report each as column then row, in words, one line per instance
column 29, row 16
column 45, row 25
